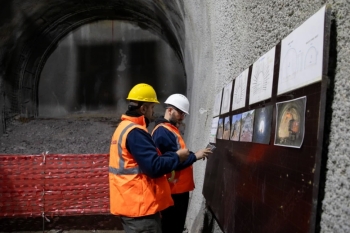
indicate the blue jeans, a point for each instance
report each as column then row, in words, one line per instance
column 144, row 224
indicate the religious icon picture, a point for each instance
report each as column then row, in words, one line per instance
column 247, row 126
column 236, row 127
column 290, row 123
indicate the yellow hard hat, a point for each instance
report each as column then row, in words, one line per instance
column 143, row 92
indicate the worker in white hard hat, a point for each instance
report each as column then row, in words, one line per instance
column 167, row 137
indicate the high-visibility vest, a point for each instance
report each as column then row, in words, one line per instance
column 183, row 181
column 132, row 193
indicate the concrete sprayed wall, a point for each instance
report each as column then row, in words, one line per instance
column 225, row 37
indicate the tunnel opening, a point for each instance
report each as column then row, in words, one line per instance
column 94, row 67
column 40, row 26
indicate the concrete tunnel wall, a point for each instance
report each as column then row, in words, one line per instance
column 220, row 39
column 225, row 37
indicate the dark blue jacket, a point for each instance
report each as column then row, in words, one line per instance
column 140, row 144
column 166, row 141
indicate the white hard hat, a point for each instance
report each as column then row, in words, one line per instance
column 179, row 101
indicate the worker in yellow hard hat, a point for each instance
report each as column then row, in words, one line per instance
column 139, row 189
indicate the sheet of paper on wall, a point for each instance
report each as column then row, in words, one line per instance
column 262, row 77
column 214, row 129
column 290, row 123
column 226, row 99
column 302, row 54
column 240, row 90
column 217, row 104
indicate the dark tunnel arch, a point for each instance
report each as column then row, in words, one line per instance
column 52, row 23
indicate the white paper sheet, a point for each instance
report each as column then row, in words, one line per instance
column 225, row 108
column 302, row 54
column 240, row 90
column 262, row 77
column 217, row 104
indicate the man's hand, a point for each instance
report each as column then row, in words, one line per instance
column 183, row 154
column 202, row 154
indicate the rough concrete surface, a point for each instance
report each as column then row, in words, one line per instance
column 225, row 37
column 336, row 203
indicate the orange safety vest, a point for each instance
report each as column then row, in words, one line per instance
column 133, row 193
column 183, row 181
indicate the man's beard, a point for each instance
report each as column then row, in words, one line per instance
column 174, row 121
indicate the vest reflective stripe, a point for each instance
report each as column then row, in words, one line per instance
column 133, row 193
column 121, row 170
column 177, row 140
column 184, row 178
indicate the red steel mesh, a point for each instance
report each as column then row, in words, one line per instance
column 54, row 184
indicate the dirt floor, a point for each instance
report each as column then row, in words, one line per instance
column 78, row 134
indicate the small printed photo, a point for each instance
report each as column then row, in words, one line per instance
column 236, row 127
column 220, row 128
column 290, row 123
column 227, row 125
column 214, row 129
column 247, row 126
column 262, row 125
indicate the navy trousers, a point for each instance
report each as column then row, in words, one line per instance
column 174, row 217
column 144, row 224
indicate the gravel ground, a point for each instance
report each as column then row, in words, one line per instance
column 71, row 135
